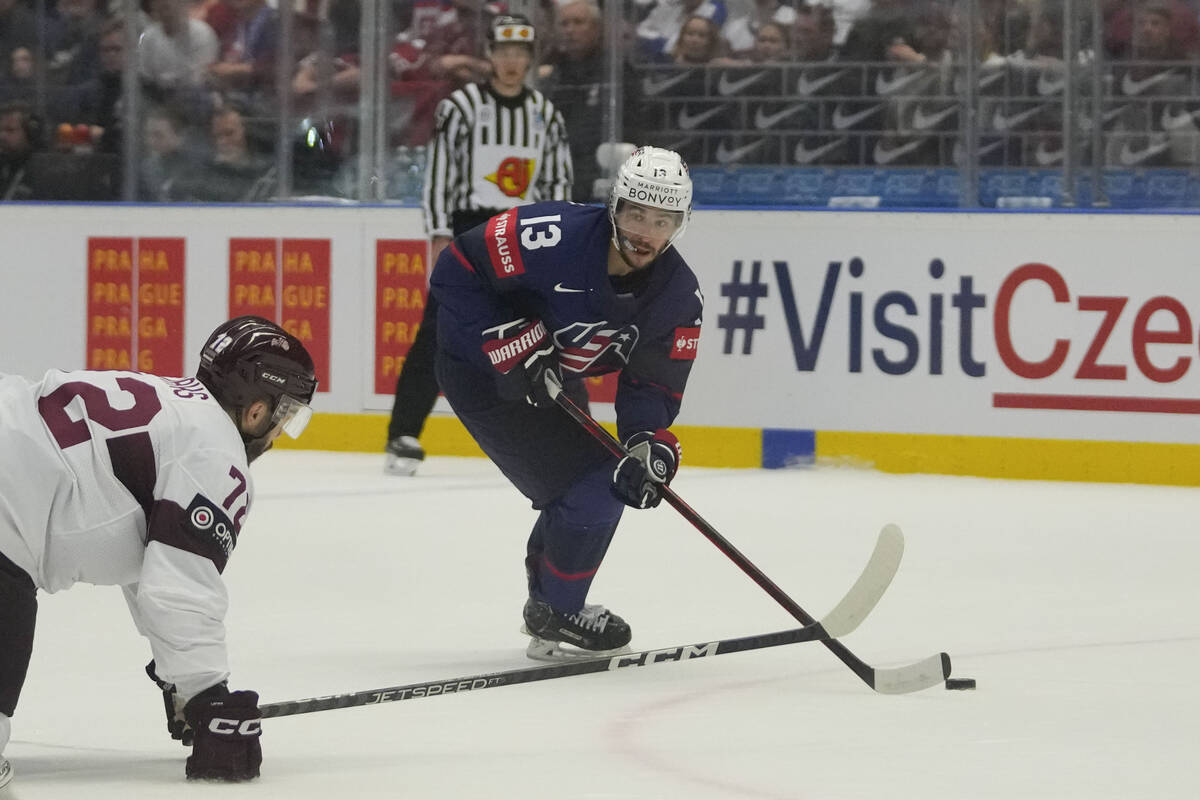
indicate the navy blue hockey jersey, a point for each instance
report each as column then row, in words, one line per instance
column 549, row 261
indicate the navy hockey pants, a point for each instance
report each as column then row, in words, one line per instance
column 554, row 462
column 18, row 616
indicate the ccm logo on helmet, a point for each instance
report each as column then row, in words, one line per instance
column 228, row 727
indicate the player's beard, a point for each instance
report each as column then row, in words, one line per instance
column 638, row 247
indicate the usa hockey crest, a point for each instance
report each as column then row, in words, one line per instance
column 590, row 348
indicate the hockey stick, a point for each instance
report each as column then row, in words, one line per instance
column 844, row 618
column 895, row 680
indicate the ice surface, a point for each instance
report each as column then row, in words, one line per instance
column 1073, row 605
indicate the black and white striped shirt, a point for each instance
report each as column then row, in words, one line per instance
column 491, row 152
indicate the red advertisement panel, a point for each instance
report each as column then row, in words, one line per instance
column 253, row 272
column 160, row 305
column 400, row 290
column 110, row 303
column 602, row 388
column 304, row 311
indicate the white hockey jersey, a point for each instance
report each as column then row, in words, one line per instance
column 128, row 479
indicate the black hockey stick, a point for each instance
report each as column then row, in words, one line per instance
column 895, row 680
column 844, row 618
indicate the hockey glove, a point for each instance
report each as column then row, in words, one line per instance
column 639, row 477
column 522, row 353
column 177, row 726
column 228, row 728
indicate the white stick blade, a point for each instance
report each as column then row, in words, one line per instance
column 914, row 677
column 870, row 586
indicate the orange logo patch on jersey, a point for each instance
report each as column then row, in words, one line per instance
column 513, row 176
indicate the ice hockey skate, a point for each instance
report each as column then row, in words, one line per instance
column 6, row 772
column 404, row 455
column 591, row 632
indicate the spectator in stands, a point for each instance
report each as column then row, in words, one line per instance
column 454, row 47
column 18, row 28
column 772, row 45
column 1158, row 115
column 432, row 59
column 169, row 159
column 741, row 29
column 699, row 42
column 658, row 33
column 334, row 75
column 20, row 138
column 95, row 102
column 246, row 68
column 575, row 78
column 74, row 50
column 234, row 173
column 872, row 35
column 176, row 50
column 20, row 85
column 921, row 106
column 1121, row 20
column 812, row 35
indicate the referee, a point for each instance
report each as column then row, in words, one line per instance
column 495, row 145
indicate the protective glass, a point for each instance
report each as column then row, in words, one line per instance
column 292, row 415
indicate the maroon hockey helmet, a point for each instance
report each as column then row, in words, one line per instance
column 251, row 358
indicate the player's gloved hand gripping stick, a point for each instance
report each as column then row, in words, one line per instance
column 899, row 680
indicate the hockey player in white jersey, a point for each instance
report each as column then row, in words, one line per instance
column 140, row 481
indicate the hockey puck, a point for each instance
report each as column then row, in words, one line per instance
column 960, row 683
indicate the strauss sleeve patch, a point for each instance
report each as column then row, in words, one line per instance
column 687, row 344
column 502, row 247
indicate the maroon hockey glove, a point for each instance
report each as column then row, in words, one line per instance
column 652, row 461
column 228, row 728
column 177, row 726
column 522, row 353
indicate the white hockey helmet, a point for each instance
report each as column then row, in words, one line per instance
column 656, row 178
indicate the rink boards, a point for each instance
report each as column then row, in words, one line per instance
column 1037, row 345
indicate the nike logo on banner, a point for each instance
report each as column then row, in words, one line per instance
column 1131, row 86
column 806, row 86
column 1047, row 85
column 1172, row 121
column 841, row 121
column 959, row 155
column 1131, row 157
column 728, row 156
column 1046, row 158
column 893, row 85
column 986, row 79
column 888, row 155
column 923, row 122
column 558, row 287
column 804, row 155
column 762, row 120
column 651, row 85
column 1002, row 122
column 688, row 121
column 726, row 86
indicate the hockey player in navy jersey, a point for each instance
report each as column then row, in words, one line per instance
column 572, row 291
column 134, row 480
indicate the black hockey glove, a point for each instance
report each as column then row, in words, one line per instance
column 177, row 726
column 522, row 353
column 652, row 461
column 228, row 728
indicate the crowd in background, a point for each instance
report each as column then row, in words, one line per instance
column 840, row 82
